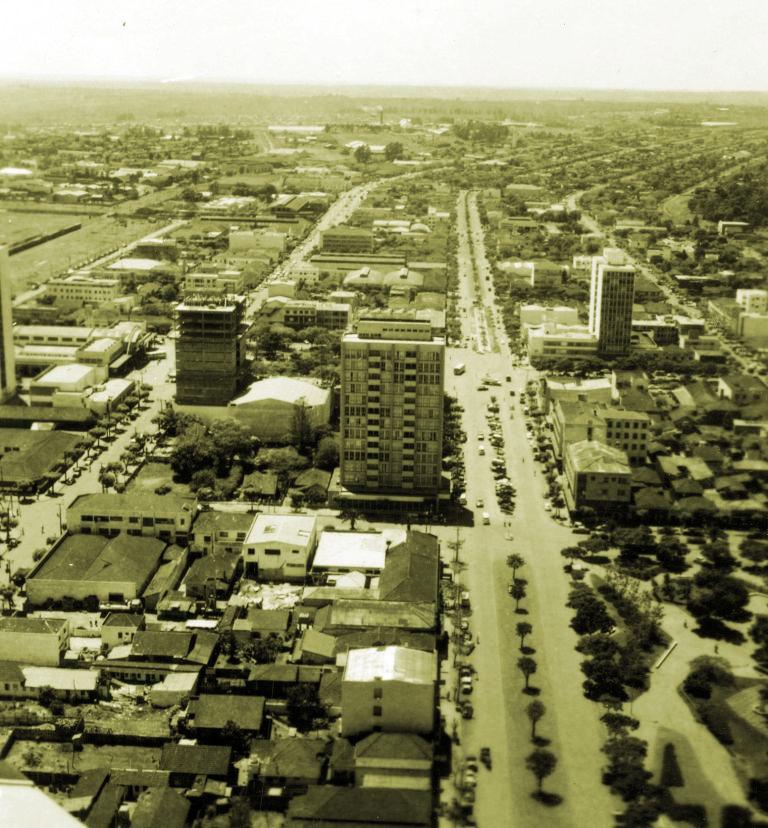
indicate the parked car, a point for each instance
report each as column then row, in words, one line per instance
column 485, row 757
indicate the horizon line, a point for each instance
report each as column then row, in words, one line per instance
column 108, row 80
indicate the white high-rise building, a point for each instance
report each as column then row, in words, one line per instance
column 7, row 354
column 610, row 302
column 392, row 375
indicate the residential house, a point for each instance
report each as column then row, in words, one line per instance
column 215, row 531
column 394, row 760
column 154, row 654
column 187, row 762
column 212, row 576
column 120, row 628
column 70, row 685
column 336, row 807
column 160, row 808
column 208, row 714
column 11, row 681
column 292, row 764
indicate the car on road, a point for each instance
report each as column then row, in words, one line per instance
column 479, row 503
column 480, row 437
column 485, row 757
column 547, row 506
column 486, row 519
column 467, row 711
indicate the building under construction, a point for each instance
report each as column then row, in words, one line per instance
column 210, row 349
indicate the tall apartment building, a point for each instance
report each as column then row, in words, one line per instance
column 7, row 354
column 346, row 239
column 392, row 375
column 210, row 350
column 610, row 302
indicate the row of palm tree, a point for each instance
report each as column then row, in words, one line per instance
column 540, row 762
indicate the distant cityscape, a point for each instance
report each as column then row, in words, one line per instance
column 393, row 461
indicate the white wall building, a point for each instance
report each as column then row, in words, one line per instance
column 391, row 689
column 278, row 547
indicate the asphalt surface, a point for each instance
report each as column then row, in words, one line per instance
column 571, row 725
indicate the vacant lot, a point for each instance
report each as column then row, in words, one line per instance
column 98, row 236
column 58, row 757
column 15, row 227
column 153, row 475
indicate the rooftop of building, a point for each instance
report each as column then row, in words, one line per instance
column 137, row 264
column 144, row 503
column 284, row 389
column 212, row 712
column 391, row 663
column 65, row 374
column 595, row 457
column 45, row 626
column 351, row 550
column 124, row 619
column 124, row 558
column 213, row 520
column 294, row 530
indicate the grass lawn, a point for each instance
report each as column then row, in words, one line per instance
column 696, row 789
column 96, row 237
column 153, row 475
column 15, row 227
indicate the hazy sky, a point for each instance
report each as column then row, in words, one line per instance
column 653, row 44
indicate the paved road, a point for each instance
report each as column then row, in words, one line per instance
column 571, row 722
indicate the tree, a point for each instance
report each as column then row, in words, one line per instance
column 515, row 562
column 541, row 763
column 230, row 440
column 301, row 429
column 603, row 678
column 572, row 553
column 527, row 667
column 619, row 723
column 393, row 150
column 303, row 706
column 362, row 154
column 523, row 629
column 591, row 616
column 350, row 512
column 205, row 478
column 518, row 593
column 193, row 451
column 327, row 455
column 535, row 711
column 46, row 696
column 234, row 736
column 107, row 479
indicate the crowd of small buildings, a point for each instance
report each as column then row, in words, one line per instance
column 296, row 662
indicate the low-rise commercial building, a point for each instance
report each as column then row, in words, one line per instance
column 345, row 239
column 278, row 547
column 573, row 422
column 168, row 518
column 551, row 340
column 216, row 532
column 597, row 476
column 80, row 568
column 82, row 288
